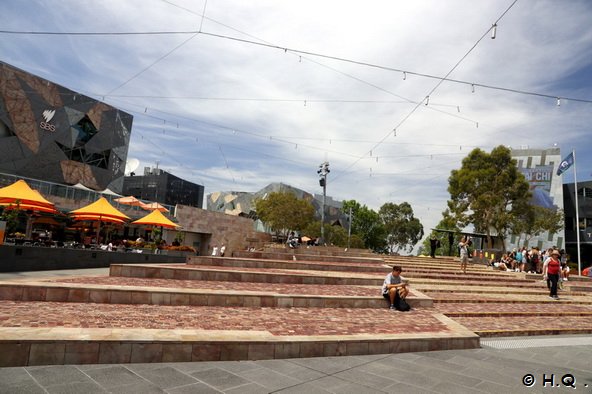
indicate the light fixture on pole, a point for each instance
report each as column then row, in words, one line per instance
column 323, row 171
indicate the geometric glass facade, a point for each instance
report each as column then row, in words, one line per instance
column 242, row 203
column 51, row 133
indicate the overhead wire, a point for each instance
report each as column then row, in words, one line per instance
column 263, row 99
column 238, row 130
column 151, row 65
column 299, row 51
column 432, row 90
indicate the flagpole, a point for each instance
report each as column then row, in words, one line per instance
column 577, row 214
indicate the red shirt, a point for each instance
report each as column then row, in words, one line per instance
column 553, row 266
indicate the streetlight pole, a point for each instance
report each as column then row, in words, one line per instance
column 323, row 171
column 349, row 229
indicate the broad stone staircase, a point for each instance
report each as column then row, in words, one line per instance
column 276, row 303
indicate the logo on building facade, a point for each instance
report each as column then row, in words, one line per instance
column 48, row 115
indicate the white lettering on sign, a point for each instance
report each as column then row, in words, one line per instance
column 47, row 126
column 48, row 115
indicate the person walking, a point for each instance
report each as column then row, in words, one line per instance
column 553, row 268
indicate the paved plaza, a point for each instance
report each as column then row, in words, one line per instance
column 271, row 324
column 502, row 365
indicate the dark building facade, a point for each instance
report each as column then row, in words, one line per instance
column 585, row 216
column 160, row 186
column 54, row 134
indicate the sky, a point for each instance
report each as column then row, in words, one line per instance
column 246, row 93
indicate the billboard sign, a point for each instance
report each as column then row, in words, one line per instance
column 539, row 179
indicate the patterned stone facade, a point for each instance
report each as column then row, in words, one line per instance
column 54, row 134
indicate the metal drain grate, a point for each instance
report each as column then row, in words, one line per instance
column 513, row 343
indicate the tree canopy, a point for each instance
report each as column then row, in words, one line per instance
column 367, row 225
column 536, row 220
column 488, row 191
column 283, row 212
column 402, row 228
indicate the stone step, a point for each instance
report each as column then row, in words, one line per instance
column 582, row 280
column 478, row 309
column 266, row 275
column 305, row 257
column 46, row 333
column 500, row 290
column 472, row 283
column 349, row 267
column 258, row 275
column 114, row 290
column 320, row 251
column 444, row 298
column 458, row 276
column 555, row 314
column 286, row 264
column 489, row 326
column 576, row 287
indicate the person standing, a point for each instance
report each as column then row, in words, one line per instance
column 552, row 270
column 434, row 243
column 222, row 250
column 463, row 247
column 215, row 250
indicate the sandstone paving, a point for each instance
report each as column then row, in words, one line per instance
column 275, row 288
column 509, row 298
column 452, row 309
column 526, row 325
column 283, row 271
column 277, row 321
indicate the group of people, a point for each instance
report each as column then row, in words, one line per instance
column 531, row 261
column 551, row 263
column 294, row 241
column 219, row 252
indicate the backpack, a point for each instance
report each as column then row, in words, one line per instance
column 401, row 305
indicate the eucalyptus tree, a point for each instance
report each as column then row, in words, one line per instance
column 284, row 212
column 489, row 192
column 403, row 230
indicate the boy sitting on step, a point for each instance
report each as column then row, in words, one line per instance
column 394, row 286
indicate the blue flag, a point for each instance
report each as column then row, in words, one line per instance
column 565, row 164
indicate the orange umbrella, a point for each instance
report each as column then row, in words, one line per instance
column 27, row 198
column 156, row 218
column 28, row 207
column 154, row 206
column 100, row 211
column 131, row 200
column 98, row 218
column 20, row 196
